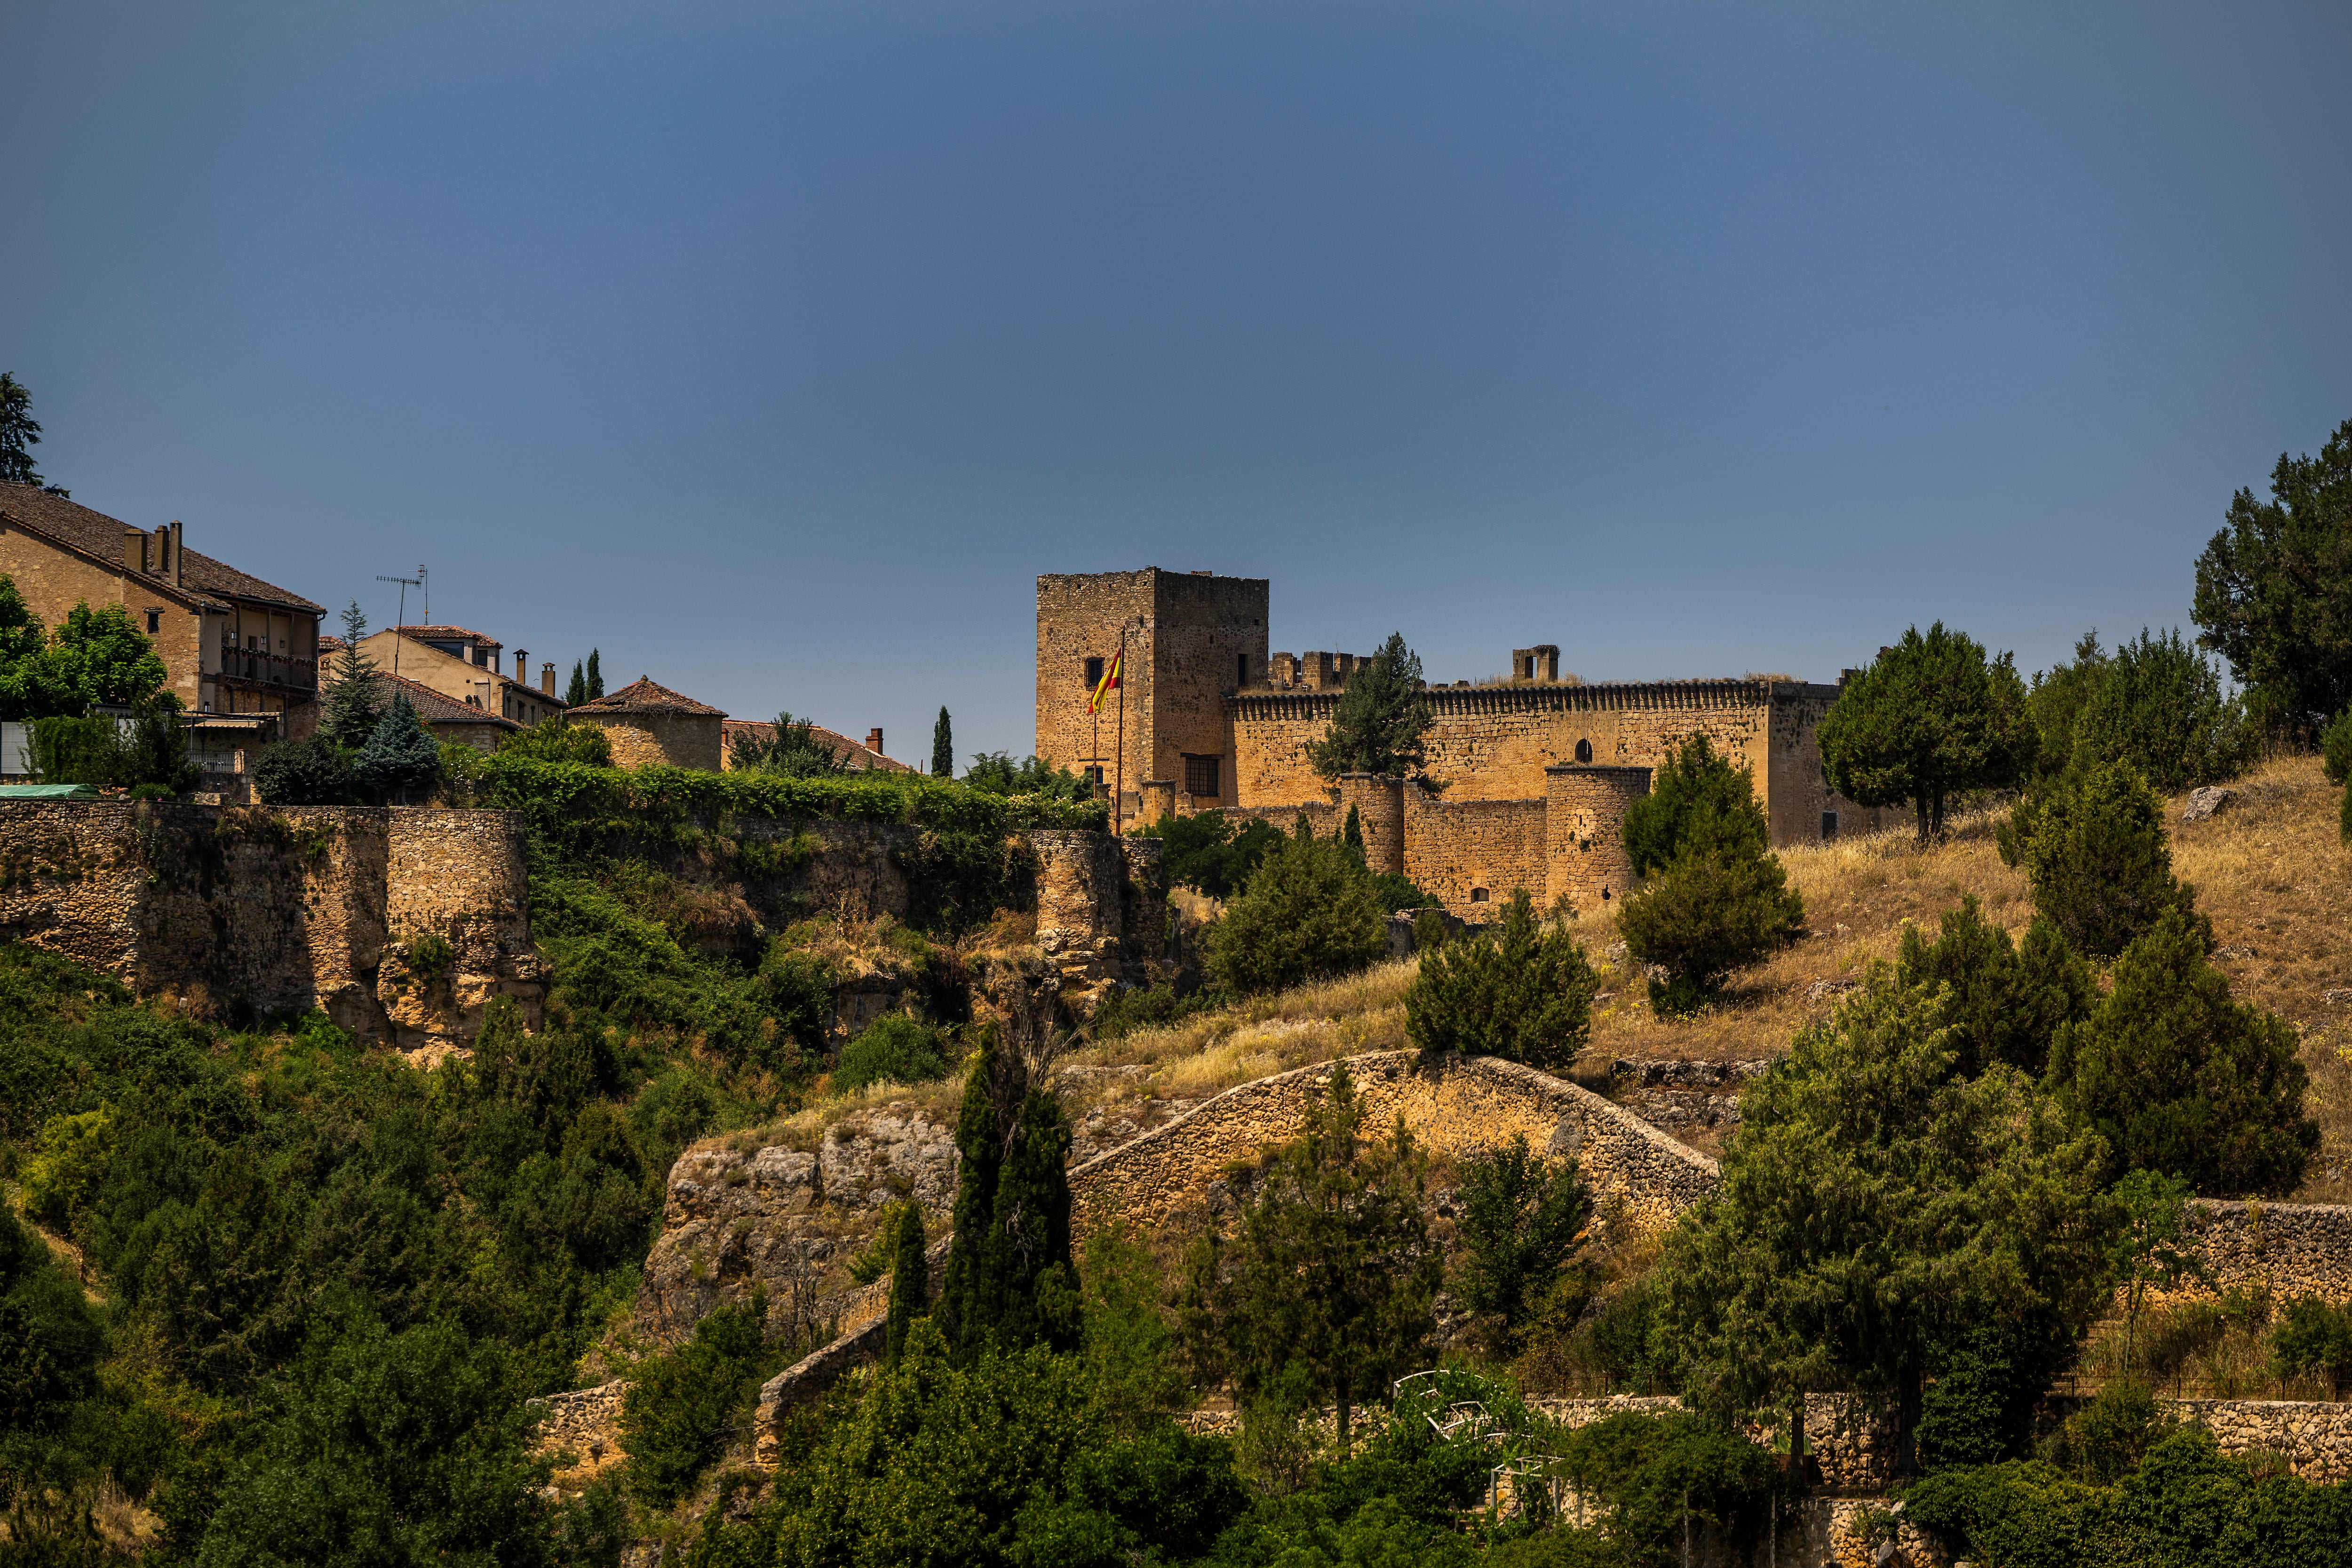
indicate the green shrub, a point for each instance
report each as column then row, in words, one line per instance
column 1650, row 1475
column 1704, row 917
column 1308, row 913
column 682, row 1406
column 315, row 771
column 2160, row 706
column 1699, row 803
column 2094, row 849
column 67, row 1167
column 556, row 739
column 1525, row 994
column 2178, row 1077
column 1988, row 1379
column 2004, row 1004
column 996, row 772
column 2335, row 749
column 893, row 1047
column 2105, row 1440
column 2312, row 1335
column 148, row 752
column 1152, row 1007
column 1211, row 852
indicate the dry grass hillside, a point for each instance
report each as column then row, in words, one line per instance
column 2268, row 868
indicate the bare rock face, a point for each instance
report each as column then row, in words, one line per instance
column 785, row 1220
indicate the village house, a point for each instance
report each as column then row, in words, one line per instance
column 651, row 726
column 464, row 667
column 866, row 758
column 231, row 643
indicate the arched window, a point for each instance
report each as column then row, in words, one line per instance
column 1584, row 751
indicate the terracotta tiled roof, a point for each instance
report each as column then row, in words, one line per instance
column 857, row 755
column 69, row 522
column 643, row 695
column 446, row 634
column 435, row 709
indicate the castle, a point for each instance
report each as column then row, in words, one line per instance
column 1537, row 771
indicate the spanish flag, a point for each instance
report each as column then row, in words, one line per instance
column 1108, row 684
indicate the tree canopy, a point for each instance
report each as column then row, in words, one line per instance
column 2275, row 590
column 19, row 434
column 1310, row 912
column 1932, row 718
column 1382, row 716
column 1525, row 994
column 792, row 750
column 1701, row 802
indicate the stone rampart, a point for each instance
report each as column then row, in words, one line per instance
column 399, row 922
column 1455, row 1106
column 1474, row 854
column 2288, row 1249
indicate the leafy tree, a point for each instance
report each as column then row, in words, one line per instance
column 681, row 1406
column 893, row 1048
column 1522, row 1223
column 1525, row 995
column 19, row 433
column 22, row 639
column 1383, row 712
column 1009, row 1280
column 2150, row 1244
column 2275, row 590
column 401, row 757
column 1705, row 916
column 1699, row 803
column 2004, row 1004
column 595, row 677
column 1932, row 718
column 910, row 1282
column 1211, row 851
column 793, row 751
column 2159, row 705
column 2312, row 1335
column 353, row 703
column 97, row 658
column 389, row 1448
column 996, row 772
column 1329, row 1283
column 576, row 692
column 1309, row 912
column 1128, row 1342
column 942, row 747
column 2178, row 1077
column 315, row 771
column 2094, row 849
column 147, row 753
column 556, row 739
column 1873, row 1205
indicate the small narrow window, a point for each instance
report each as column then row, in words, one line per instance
column 154, row 622
column 1828, row 825
column 1584, row 751
column 1477, row 895
column 1094, row 673
column 1240, row 669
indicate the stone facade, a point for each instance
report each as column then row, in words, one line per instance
column 651, row 726
column 399, row 922
column 1102, row 909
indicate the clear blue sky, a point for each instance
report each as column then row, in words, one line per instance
column 775, row 350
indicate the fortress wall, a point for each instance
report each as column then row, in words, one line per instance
column 1795, row 794
column 1455, row 850
column 2289, row 1250
column 1455, row 1107
column 251, row 909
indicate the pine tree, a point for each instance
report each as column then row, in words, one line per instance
column 1310, row 912
column 2178, row 1077
column 1382, row 714
column 1699, row 801
column 910, row 1282
column 1705, row 915
column 2004, row 1004
column 1352, row 833
column 353, row 700
column 942, row 747
column 595, row 678
column 19, row 433
column 577, row 693
column 1932, row 718
column 401, row 757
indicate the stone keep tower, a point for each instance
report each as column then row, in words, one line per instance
column 1584, row 833
column 1192, row 638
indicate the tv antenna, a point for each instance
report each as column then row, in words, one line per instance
column 405, row 584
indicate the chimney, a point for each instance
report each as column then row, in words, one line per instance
column 175, row 569
column 874, row 740
column 547, row 680
column 523, row 668
column 134, row 549
column 159, row 560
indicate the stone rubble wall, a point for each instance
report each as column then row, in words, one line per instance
column 1455, row 1106
column 586, row 1425
column 257, row 909
column 2290, row 1250
column 1102, row 910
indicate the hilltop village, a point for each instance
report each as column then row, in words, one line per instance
column 1303, row 1112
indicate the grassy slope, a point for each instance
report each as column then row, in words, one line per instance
column 2269, row 870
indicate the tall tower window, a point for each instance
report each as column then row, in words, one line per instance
column 1094, row 673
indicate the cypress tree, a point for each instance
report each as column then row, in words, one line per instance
column 1352, row 833
column 942, row 747
column 577, row 693
column 1009, row 1280
column 595, row 678
column 910, row 1282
